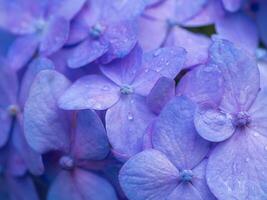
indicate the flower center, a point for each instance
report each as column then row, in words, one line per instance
column 186, row 175
column 126, row 90
column 13, row 110
column 96, row 31
column 241, row 120
column 39, row 25
column 66, row 162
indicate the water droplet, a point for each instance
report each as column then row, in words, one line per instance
column 256, row 134
column 146, row 70
column 157, row 70
column 167, row 63
column 98, row 106
column 130, row 117
column 157, row 52
column 105, row 88
column 247, row 159
column 265, row 148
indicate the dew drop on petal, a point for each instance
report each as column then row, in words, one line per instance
column 130, row 116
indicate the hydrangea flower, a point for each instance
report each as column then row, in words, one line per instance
column 79, row 137
column 175, row 168
column 121, row 89
column 238, row 124
column 42, row 25
column 105, row 29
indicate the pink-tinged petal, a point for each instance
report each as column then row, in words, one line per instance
column 148, row 175
column 21, row 51
column 240, row 29
column 196, row 45
column 90, row 92
column 240, row 74
column 213, row 125
column 47, row 127
column 37, row 65
column 168, row 61
column 199, row 181
column 175, row 135
column 261, row 22
column 55, row 35
column 237, row 167
column 187, row 191
column 80, row 185
column 185, row 10
column 21, row 188
column 122, row 37
column 211, row 12
column 162, row 92
column 65, row 8
column 126, row 137
column 19, row 16
column 87, row 52
column 90, row 142
column 123, row 71
column 145, row 81
column 258, row 113
column 33, row 160
column 232, row 5
column 203, row 84
column 147, row 29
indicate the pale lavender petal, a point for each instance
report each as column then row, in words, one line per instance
column 196, row 45
column 237, row 167
column 240, row 74
column 21, row 51
column 87, row 52
column 232, row 5
column 213, row 125
column 167, row 61
column 55, row 35
column 187, row 191
column 148, row 175
column 46, row 126
column 203, row 84
column 175, row 135
column 126, row 137
column 90, row 92
column 90, row 142
column 240, row 29
column 162, row 92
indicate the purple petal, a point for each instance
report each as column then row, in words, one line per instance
column 79, row 185
column 15, row 164
column 175, row 135
column 46, row 126
column 34, row 68
column 187, row 191
column 90, row 141
column 87, row 52
column 21, row 51
column 32, row 159
column 213, row 125
column 239, row 29
column 21, row 188
column 262, row 23
column 54, row 36
column 148, row 175
column 203, row 84
column 145, row 81
column 240, row 74
column 211, row 12
column 236, row 168
column 258, row 113
column 147, row 27
column 161, row 93
column 65, row 8
column 232, row 5
column 167, row 61
column 123, row 71
column 187, row 9
column 90, row 92
column 122, row 38
column 196, row 45
column 126, row 137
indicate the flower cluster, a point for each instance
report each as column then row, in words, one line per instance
column 133, row 100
